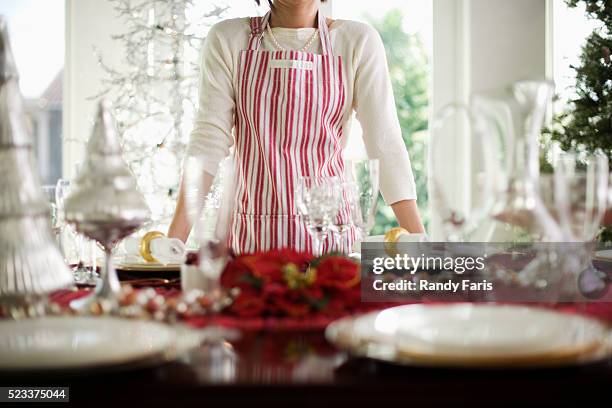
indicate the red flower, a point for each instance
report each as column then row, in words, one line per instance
column 337, row 272
column 288, row 283
column 248, row 304
column 290, row 304
column 238, row 275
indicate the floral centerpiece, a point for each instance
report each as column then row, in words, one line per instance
column 286, row 283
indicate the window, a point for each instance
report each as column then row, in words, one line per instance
column 569, row 32
column 40, row 60
column 406, row 29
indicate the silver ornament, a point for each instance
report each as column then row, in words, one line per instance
column 106, row 204
column 31, row 265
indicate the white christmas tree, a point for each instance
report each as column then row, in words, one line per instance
column 155, row 97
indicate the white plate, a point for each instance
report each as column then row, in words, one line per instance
column 148, row 267
column 604, row 255
column 64, row 343
column 132, row 264
column 472, row 335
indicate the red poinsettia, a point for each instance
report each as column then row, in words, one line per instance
column 289, row 283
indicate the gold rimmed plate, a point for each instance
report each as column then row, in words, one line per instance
column 604, row 255
column 148, row 267
column 130, row 265
column 473, row 336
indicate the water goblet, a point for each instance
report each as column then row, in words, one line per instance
column 210, row 203
column 79, row 271
column 344, row 220
column 580, row 201
column 461, row 183
column 364, row 175
column 316, row 201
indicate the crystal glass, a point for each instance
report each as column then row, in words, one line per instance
column 512, row 120
column 574, row 200
column 348, row 215
column 581, row 194
column 364, row 175
column 317, row 201
column 80, row 272
column 461, row 185
column 49, row 192
column 211, row 214
column 83, row 275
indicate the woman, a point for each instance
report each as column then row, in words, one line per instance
column 286, row 84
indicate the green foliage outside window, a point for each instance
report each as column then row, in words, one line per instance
column 586, row 125
column 409, row 71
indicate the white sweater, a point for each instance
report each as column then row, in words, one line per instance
column 368, row 93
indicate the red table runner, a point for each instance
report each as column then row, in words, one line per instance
column 599, row 310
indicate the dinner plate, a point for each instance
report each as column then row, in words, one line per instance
column 148, row 267
column 604, row 255
column 128, row 264
column 473, row 335
column 70, row 343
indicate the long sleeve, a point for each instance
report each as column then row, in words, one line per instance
column 212, row 137
column 375, row 109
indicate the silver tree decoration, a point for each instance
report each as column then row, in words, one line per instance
column 155, row 96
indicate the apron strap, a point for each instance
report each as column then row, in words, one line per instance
column 326, row 47
column 259, row 24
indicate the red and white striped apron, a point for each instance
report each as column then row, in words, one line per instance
column 289, row 110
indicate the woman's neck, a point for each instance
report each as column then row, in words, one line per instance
column 303, row 15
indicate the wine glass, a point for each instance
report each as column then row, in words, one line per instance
column 316, row 201
column 79, row 271
column 582, row 193
column 210, row 206
column 348, row 213
column 49, row 191
column 364, row 175
column 460, row 159
column 575, row 199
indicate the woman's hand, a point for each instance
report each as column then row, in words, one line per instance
column 408, row 217
column 180, row 227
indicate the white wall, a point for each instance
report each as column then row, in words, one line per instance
column 88, row 23
column 507, row 42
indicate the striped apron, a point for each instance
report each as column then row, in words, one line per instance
column 288, row 123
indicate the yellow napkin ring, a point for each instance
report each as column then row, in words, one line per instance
column 391, row 238
column 145, row 245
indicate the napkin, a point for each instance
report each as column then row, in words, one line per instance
column 165, row 250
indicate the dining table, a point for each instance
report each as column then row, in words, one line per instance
column 289, row 363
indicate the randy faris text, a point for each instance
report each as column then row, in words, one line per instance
column 424, row 285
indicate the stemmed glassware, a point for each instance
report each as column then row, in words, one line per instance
column 83, row 275
column 348, row 212
column 578, row 204
column 570, row 205
column 362, row 178
column 49, row 192
column 317, row 201
column 210, row 214
column 461, row 183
